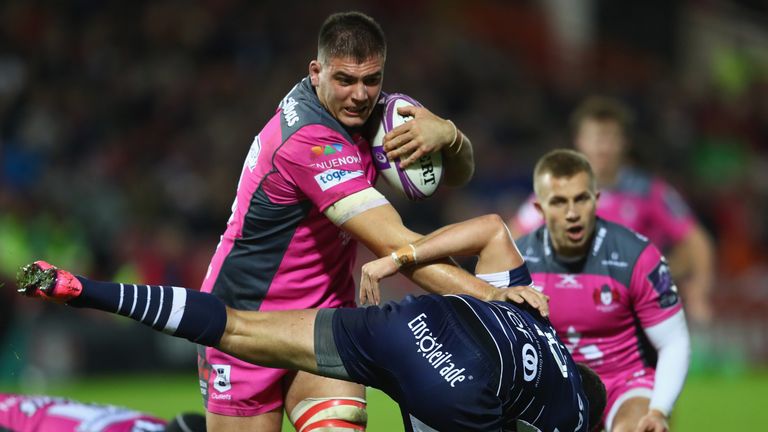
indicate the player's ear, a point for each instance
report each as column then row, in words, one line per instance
column 537, row 205
column 314, row 72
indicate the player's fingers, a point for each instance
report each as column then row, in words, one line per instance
column 365, row 283
column 412, row 158
column 389, row 138
column 407, row 111
column 398, row 142
column 376, row 293
column 515, row 297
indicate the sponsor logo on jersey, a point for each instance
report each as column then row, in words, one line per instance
column 568, row 281
column 222, row 381
column 253, row 154
column 289, row 111
column 662, row 282
column 606, row 298
column 337, row 162
column 431, row 350
column 325, row 150
column 333, row 177
column 530, row 362
column 614, row 261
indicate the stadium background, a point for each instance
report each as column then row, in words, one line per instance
column 123, row 126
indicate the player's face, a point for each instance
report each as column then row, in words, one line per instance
column 568, row 205
column 603, row 143
column 348, row 89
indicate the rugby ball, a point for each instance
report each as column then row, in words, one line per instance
column 420, row 179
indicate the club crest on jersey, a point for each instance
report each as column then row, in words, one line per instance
column 606, row 298
column 662, row 282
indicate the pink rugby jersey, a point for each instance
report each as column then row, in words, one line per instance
column 600, row 304
column 643, row 203
column 279, row 251
column 20, row 413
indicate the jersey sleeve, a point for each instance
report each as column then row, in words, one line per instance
column 322, row 164
column 653, row 292
column 527, row 219
column 671, row 215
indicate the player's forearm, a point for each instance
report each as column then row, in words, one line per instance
column 458, row 162
column 697, row 285
column 282, row 339
column 701, row 252
column 484, row 236
column 445, row 278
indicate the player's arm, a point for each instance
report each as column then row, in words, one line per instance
column 427, row 133
column 487, row 237
column 658, row 308
column 672, row 342
column 376, row 224
column 692, row 260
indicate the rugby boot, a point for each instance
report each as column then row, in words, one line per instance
column 44, row 280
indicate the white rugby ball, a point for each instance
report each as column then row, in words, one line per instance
column 420, row 179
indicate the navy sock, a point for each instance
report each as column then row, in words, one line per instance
column 193, row 315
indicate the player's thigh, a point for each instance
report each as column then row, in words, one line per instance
column 267, row 422
column 304, row 385
column 629, row 414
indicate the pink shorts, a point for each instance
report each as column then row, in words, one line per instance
column 623, row 386
column 232, row 387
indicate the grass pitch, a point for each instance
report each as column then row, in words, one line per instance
column 709, row 402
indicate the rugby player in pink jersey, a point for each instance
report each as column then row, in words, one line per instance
column 638, row 200
column 30, row 413
column 304, row 199
column 612, row 298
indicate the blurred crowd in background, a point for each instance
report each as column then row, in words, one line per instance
column 124, row 126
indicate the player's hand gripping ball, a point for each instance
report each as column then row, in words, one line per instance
column 419, row 180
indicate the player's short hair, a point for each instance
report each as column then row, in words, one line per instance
column 602, row 108
column 594, row 389
column 350, row 35
column 563, row 163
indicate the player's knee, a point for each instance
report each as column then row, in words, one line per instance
column 330, row 415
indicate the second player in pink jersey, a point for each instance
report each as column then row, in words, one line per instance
column 634, row 198
column 612, row 298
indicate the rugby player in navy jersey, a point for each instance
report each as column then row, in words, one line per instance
column 453, row 363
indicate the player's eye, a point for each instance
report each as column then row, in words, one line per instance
column 372, row 81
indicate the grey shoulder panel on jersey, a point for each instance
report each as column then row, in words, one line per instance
column 534, row 249
column 615, row 250
column 301, row 107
